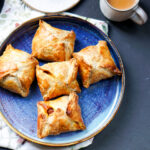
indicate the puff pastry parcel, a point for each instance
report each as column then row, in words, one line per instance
column 58, row 116
column 17, row 70
column 96, row 63
column 57, row 78
column 52, row 44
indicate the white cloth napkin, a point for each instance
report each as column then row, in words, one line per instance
column 13, row 14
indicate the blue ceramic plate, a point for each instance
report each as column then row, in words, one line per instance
column 98, row 103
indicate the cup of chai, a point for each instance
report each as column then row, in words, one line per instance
column 121, row 10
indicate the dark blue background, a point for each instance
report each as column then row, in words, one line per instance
column 1, row 4
column 130, row 129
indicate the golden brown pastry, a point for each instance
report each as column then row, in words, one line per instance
column 57, row 78
column 58, row 116
column 95, row 64
column 52, row 44
column 17, row 70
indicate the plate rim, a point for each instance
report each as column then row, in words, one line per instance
column 117, row 104
column 48, row 12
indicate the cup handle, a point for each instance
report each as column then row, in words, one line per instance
column 139, row 16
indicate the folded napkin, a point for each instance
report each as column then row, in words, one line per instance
column 13, row 14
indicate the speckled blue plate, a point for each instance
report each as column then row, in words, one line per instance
column 98, row 103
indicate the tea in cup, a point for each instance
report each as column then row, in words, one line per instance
column 120, row 10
